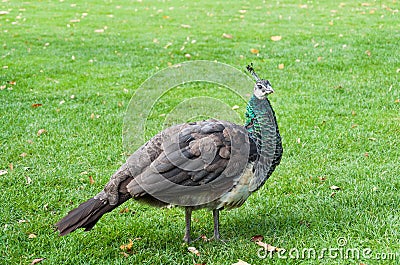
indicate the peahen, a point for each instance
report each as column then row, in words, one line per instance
column 207, row 164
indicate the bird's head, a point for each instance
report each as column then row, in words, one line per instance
column 262, row 87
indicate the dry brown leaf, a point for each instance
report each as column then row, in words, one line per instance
column 165, row 17
column 276, row 38
column 23, row 155
column 3, row 87
column 125, row 254
column 281, row 66
column 368, row 52
column 11, row 166
column 267, row 247
column 127, row 247
column 194, row 251
column 333, row 187
column 36, row 261
column 36, row 105
column 397, row 100
column 257, row 238
column 227, row 36
column 41, row 131
column 124, row 210
column 91, row 180
column 365, row 4
column 31, row 236
column 254, row 51
column 13, row 83
column 241, row 262
column 366, row 154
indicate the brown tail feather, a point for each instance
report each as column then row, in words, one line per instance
column 86, row 215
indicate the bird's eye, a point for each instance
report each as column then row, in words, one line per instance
column 259, row 86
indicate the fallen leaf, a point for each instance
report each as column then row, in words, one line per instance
column 235, row 107
column 281, row 66
column 322, row 178
column 75, row 20
column 127, row 247
column 28, row 180
column 227, row 36
column 194, row 251
column 36, row 105
column 332, row 194
column 11, row 166
column 23, row 221
column 23, row 155
column 99, row 30
column 3, row 87
column 303, row 6
column 3, row 172
column 267, row 247
column 276, row 38
column 13, row 83
column 92, row 116
column 124, row 210
column 368, row 52
column 241, row 262
column 36, row 261
column 365, row 4
column 257, row 238
column 366, row 154
column 185, row 26
column 188, row 56
column 31, row 236
column 242, row 11
column 254, row 51
column 2, row 12
column 125, row 254
column 333, row 187
column 41, row 131
column 91, row 180
column 397, row 101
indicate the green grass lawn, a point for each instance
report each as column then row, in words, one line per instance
column 336, row 73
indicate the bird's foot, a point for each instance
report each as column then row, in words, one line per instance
column 214, row 238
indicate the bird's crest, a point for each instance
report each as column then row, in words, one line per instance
column 252, row 72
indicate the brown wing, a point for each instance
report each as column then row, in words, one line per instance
column 190, row 164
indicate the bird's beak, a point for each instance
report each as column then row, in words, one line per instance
column 269, row 90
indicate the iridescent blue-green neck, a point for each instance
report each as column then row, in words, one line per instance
column 260, row 119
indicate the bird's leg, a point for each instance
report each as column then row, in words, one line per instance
column 216, row 224
column 188, row 219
